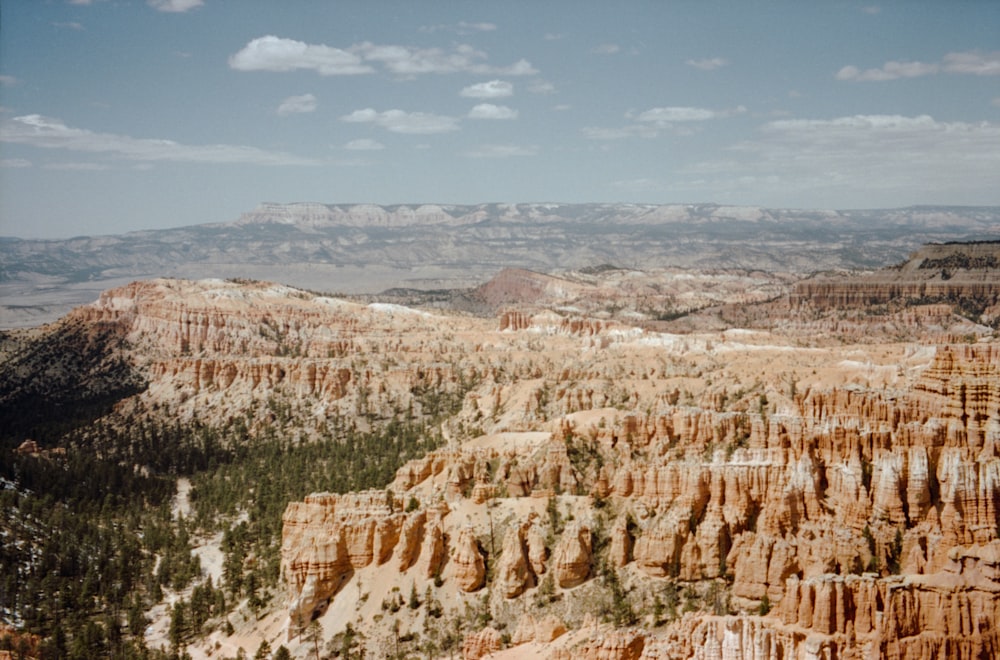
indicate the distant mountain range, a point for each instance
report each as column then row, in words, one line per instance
column 364, row 248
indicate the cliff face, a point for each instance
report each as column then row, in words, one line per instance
column 963, row 275
column 721, row 494
column 327, row 537
column 227, row 347
column 868, row 520
column 856, row 495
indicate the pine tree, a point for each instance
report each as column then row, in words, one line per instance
column 263, row 651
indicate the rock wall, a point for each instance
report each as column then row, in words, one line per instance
column 864, row 512
column 955, row 273
column 868, row 519
column 327, row 536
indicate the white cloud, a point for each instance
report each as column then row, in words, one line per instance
column 649, row 123
column 871, row 9
column 521, row 67
column 362, row 116
column 174, row 6
column 8, row 80
column 892, row 159
column 69, row 25
column 607, row 49
column 674, row 114
column 889, row 71
column 462, row 27
column 272, row 53
column 297, row 105
column 406, row 61
column 975, row 63
column 494, row 89
column 967, row 63
column 398, row 121
column 621, row 133
column 80, row 2
column 47, row 133
column 364, row 144
column 502, row 151
column 77, row 167
column 562, row 107
column 709, row 64
column 14, row 163
column 490, row 111
column 853, row 124
column 995, row 102
column 541, row 87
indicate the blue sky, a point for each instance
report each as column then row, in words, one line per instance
column 118, row 115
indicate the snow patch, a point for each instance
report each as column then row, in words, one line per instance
column 389, row 308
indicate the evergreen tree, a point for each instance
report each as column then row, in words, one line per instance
column 263, row 651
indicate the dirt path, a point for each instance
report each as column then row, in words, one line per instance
column 182, row 501
column 209, row 552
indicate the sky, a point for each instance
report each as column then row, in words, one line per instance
column 121, row 115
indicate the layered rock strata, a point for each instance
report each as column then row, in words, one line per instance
column 961, row 274
column 852, row 490
column 868, row 520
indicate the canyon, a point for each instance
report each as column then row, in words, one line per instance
column 659, row 463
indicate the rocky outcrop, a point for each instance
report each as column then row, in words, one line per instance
column 543, row 630
column 481, row 643
column 466, row 564
column 514, row 571
column 406, row 531
column 571, row 561
column 232, row 348
column 315, row 561
column 514, row 320
column 326, row 537
column 950, row 614
column 537, row 552
column 743, row 637
column 615, row 645
column 620, row 551
column 433, row 550
column 814, row 497
column 852, row 489
column 957, row 273
column 516, row 285
column 814, row 509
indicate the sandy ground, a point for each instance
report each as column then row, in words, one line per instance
column 209, row 552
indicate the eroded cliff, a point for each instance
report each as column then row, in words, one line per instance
column 860, row 519
column 734, row 493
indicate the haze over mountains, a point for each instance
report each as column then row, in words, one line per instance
column 366, row 248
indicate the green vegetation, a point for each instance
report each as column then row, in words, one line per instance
column 961, row 261
column 89, row 539
column 78, row 558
